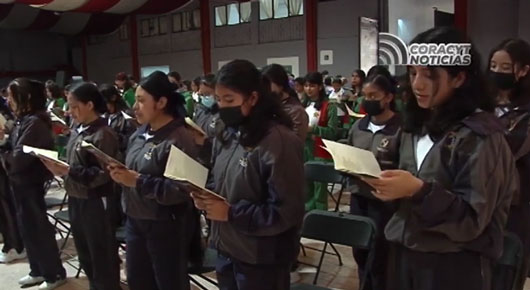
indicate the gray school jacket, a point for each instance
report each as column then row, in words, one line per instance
column 88, row 178
column 384, row 144
column 470, row 179
column 207, row 119
column 25, row 169
column 156, row 197
column 517, row 132
column 265, row 188
column 297, row 112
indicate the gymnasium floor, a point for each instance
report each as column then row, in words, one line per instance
column 332, row 275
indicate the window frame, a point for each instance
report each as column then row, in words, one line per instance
column 273, row 17
column 226, row 6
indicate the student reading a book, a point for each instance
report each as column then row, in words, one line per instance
column 258, row 168
column 126, row 88
column 379, row 132
column 27, row 176
column 92, row 203
column 162, row 227
column 456, row 181
column 509, row 72
column 13, row 248
column 55, row 96
column 288, row 97
column 116, row 107
column 323, row 123
column 206, row 112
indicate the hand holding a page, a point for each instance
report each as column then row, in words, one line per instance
column 123, row 175
column 216, row 209
column 394, row 184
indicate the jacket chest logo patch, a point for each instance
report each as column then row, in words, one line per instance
column 450, row 141
column 243, row 162
column 148, row 155
column 384, row 143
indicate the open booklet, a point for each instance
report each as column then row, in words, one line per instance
column 130, row 119
column 100, row 155
column 3, row 121
column 185, row 169
column 353, row 114
column 57, row 119
column 353, row 160
column 194, row 126
column 48, row 155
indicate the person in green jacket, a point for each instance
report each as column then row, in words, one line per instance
column 124, row 84
column 187, row 93
column 323, row 124
column 54, row 94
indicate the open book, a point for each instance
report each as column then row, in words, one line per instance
column 48, row 155
column 353, row 160
column 353, row 114
column 185, row 169
column 194, row 126
column 57, row 119
column 100, row 155
column 131, row 119
column 3, row 121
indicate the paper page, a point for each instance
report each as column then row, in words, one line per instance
column 194, row 126
column 44, row 153
column 100, row 155
column 56, row 118
column 3, row 121
column 353, row 160
column 183, row 168
column 353, row 114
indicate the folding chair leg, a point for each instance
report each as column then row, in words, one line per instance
column 338, row 199
column 65, row 241
column 303, row 250
column 78, row 272
column 208, row 279
column 197, row 283
column 320, row 263
column 336, row 252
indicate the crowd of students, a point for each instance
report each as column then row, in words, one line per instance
column 454, row 147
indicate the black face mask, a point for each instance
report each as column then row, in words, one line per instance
column 372, row 107
column 504, row 81
column 232, row 116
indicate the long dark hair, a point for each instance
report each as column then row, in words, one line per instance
column 86, row 92
column 519, row 51
column 362, row 75
column 158, row 86
column 465, row 100
column 111, row 95
column 28, row 95
column 316, row 78
column 243, row 77
column 54, row 89
column 277, row 74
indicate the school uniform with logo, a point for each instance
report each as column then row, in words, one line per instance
column 383, row 140
column 162, row 228
column 324, row 122
column 516, row 121
column 447, row 235
column 264, row 187
column 209, row 121
column 92, row 204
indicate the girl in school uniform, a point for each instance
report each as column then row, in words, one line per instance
column 206, row 112
column 291, row 104
column 91, row 202
column 456, row 179
column 27, row 176
column 323, row 123
column 116, row 107
column 162, row 227
column 379, row 132
column 509, row 72
column 258, row 168
column 357, row 81
column 125, row 86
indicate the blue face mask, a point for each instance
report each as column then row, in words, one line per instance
column 208, row 101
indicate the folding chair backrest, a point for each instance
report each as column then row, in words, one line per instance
column 318, row 171
column 339, row 228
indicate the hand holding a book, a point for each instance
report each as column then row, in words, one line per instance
column 216, row 209
column 123, row 175
column 55, row 168
column 394, row 184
